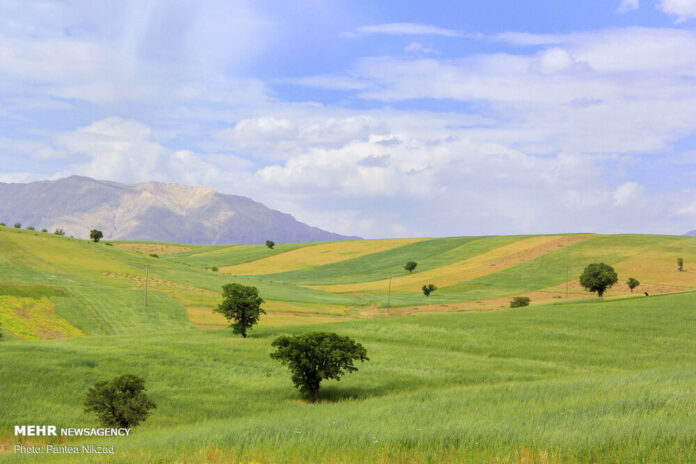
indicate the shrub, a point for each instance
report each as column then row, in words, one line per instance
column 31, row 228
column 410, row 266
column 18, row 225
column 154, row 255
column 121, row 402
column 680, row 264
column 270, row 244
column 520, row 301
column 44, row 230
column 60, row 232
column 428, row 289
column 316, row 356
column 214, row 269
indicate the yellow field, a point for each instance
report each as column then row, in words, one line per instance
column 316, row 255
column 34, row 318
column 147, row 248
column 205, row 318
column 493, row 261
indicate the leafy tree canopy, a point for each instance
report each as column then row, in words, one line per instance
column 316, row 356
column 96, row 235
column 428, row 289
column 121, row 402
column 410, row 266
column 597, row 277
column 241, row 304
column 270, row 244
column 632, row 283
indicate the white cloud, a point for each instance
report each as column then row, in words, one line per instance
column 407, row 29
column 124, row 150
column 625, row 193
column 682, row 9
column 419, row 48
column 628, row 5
column 275, row 138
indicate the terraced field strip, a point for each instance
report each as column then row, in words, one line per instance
column 316, row 255
column 147, row 248
column 501, row 258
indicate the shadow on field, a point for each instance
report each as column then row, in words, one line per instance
column 334, row 394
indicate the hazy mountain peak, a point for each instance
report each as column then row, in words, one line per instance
column 150, row 211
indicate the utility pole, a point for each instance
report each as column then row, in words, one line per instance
column 147, row 275
column 389, row 295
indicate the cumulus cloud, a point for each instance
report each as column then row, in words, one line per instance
column 683, row 9
column 125, row 150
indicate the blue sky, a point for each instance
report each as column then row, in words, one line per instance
column 376, row 119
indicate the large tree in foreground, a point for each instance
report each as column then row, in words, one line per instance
column 242, row 305
column 598, row 277
column 121, row 402
column 316, row 356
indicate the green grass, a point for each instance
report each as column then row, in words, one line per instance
column 590, row 382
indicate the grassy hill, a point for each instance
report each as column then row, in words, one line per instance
column 608, row 381
column 55, row 286
column 576, row 380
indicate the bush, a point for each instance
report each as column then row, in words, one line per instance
column 428, row 289
column 520, row 301
column 214, row 269
column 154, row 255
column 680, row 264
column 316, row 356
column 410, row 266
column 60, row 232
column 44, row 230
column 2, row 224
column 18, row 225
column 121, row 402
column 270, row 244
column 31, row 228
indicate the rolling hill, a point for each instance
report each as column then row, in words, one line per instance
column 56, row 286
column 150, row 211
column 582, row 380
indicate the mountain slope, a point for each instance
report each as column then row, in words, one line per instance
column 150, row 211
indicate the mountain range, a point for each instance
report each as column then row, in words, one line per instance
column 150, row 211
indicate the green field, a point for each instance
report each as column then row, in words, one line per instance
column 578, row 380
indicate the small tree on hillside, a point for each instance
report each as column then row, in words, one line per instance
column 410, row 266
column 597, row 277
column 242, row 305
column 60, row 232
column 270, row 244
column 680, row 264
column 632, row 283
column 316, row 356
column 428, row 289
column 96, row 235
column 520, row 301
column 121, row 402
column 18, row 225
